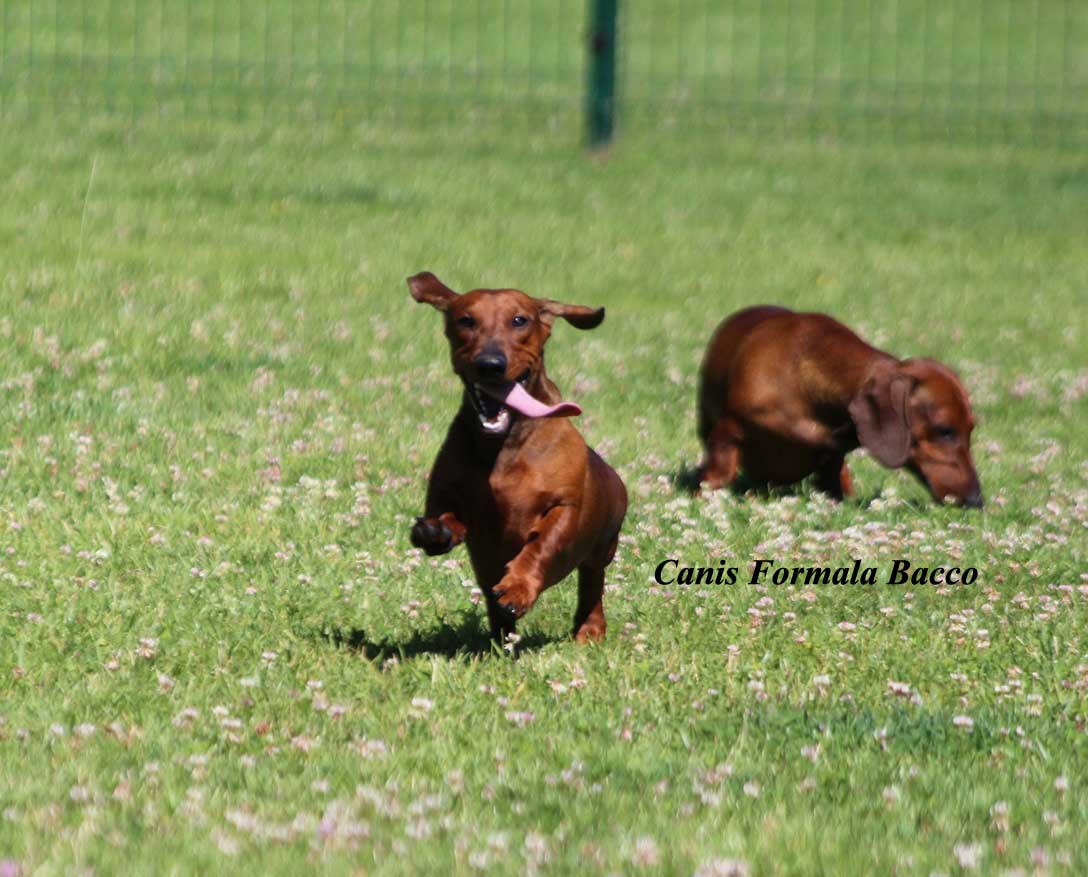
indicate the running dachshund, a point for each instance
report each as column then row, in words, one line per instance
column 514, row 479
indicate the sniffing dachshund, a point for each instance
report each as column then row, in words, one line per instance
column 784, row 395
column 514, row 479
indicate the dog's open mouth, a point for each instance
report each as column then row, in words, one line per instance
column 495, row 405
column 492, row 413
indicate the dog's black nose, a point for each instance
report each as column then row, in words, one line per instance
column 490, row 365
column 974, row 499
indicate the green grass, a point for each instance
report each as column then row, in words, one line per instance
column 219, row 410
column 986, row 70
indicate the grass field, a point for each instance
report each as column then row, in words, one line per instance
column 219, row 410
column 220, row 407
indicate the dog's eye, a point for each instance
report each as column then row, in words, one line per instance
column 945, row 433
column 466, row 322
column 519, row 321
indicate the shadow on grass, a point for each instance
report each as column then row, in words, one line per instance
column 465, row 639
column 687, row 479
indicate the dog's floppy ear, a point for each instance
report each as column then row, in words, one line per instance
column 428, row 289
column 879, row 413
column 578, row 316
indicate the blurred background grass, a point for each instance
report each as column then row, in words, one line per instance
column 986, row 70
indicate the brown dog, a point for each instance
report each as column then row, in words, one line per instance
column 785, row 395
column 514, row 480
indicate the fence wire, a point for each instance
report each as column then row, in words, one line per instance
column 988, row 70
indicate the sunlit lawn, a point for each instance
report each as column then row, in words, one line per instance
column 219, row 411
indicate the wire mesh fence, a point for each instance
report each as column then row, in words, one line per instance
column 989, row 70
column 293, row 57
column 983, row 69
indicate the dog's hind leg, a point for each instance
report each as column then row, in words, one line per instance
column 589, row 623
column 502, row 620
column 722, row 455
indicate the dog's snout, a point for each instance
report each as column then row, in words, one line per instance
column 490, row 365
column 974, row 500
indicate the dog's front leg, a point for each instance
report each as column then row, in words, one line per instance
column 438, row 534
column 527, row 573
column 440, row 529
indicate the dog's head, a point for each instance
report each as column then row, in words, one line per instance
column 497, row 341
column 916, row 414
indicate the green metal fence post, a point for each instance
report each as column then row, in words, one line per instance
column 600, row 102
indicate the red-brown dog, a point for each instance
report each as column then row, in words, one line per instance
column 514, row 480
column 785, row 395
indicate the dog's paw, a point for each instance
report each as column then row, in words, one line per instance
column 433, row 536
column 590, row 632
column 515, row 594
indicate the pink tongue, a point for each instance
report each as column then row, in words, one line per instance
column 518, row 399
